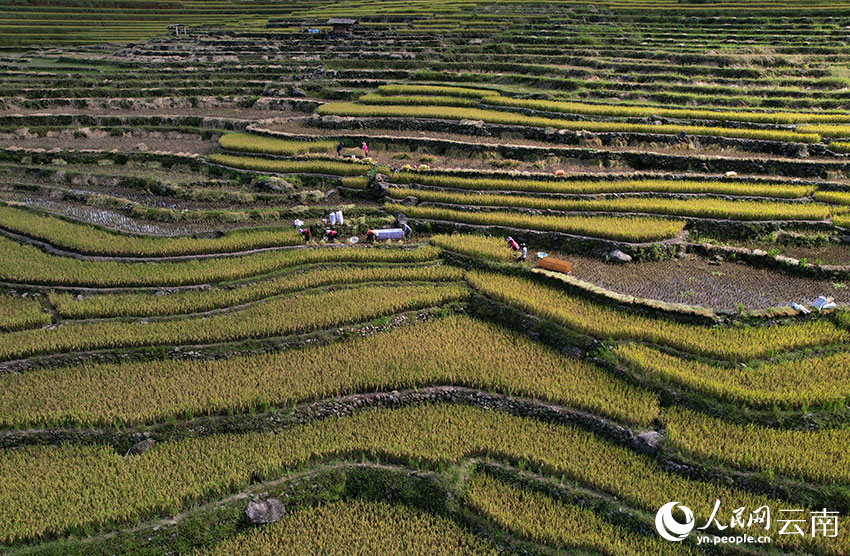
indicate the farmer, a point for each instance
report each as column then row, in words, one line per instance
column 407, row 231
column 339, row 147
column 308, row 235
column 523, row 254
column 513, row 244
column 331, row 235
column 370, row 236
column 365, row 148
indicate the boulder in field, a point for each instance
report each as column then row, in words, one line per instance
column 618, row 256
column 648, row 441
column 141, row 447
column 267, row 510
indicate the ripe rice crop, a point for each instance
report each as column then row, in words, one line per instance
column 21, row 312
column 194, row 301
column 276, row 317
column 798, row 383
column 634, row 229
column 842, row 220
column 624, row 111
column 737, row 343
column 434, row 90
column 838, row 131
column 433, row 353
column 87, row 238
column 482, row 247
column 355, row 183
column 418, row 100
column 511, row 118
column 543, row 519
column 27, row 264
column 292, row 166
column 777, row 190
column 251, row 143
column 354, row 528
column 819, row 455
column 840, row 146
column 833, row 197
column 53, row 488
column 700, row 208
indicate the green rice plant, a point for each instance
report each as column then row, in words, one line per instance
column 799, row 383
column 433, row 353
column 840, row 146
column 417, row 100
column 21, row 312
column 630, row 111
column 27, row 264
column 91, row 239
column 279, row 316
column 195, row 301
column 778, row 190
column 819, row 455
column 511, row 118
column 543, row 519
column 50, row 489
column 434, row 90
column 635, row 229
column 699, row 208
column 316, row 166
column 736, row 343
column 247, row 142
column 355, row 527
column 482, row 247
column 833, row 197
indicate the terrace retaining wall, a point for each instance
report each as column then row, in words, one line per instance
column 641, row 161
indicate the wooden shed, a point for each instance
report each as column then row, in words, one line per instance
column 177, row 27
column 342, row 25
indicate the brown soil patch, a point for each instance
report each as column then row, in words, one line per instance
column 696, row 281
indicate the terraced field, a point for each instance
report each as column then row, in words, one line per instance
column 210, row 344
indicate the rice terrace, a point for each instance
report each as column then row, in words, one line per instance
column 426, row 277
